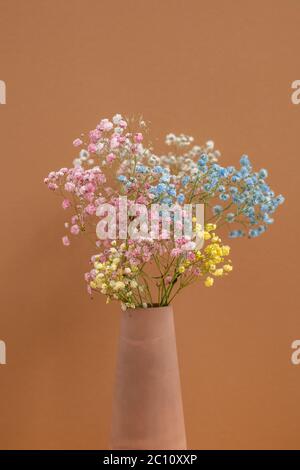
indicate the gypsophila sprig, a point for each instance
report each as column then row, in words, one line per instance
column 116, row 175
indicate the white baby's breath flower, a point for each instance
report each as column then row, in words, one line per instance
column 116, row 119
column 133, row 284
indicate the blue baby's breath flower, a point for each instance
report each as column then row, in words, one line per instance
column 141, row 169
column 158, row 169
column 230, row 217
column 231, row 170
column 280, row 199
column 233, row 189
column 263, row 173
column 236, row 234
column 180, row 198
column 171, row 191
column 203, row 159
column 165, row 178
column 253, row 233
column 185, row 180
column 167, row 200
column 261, row 229
column 264, row 207
column 122, row 178
column 249, row 181
column 244, row 171
column 223, row 172
column 244, row 161
column 235, row 178
column 217, row 209
column 267, row 219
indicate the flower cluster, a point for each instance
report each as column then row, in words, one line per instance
column 149, row 268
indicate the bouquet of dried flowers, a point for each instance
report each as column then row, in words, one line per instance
column 154, row 219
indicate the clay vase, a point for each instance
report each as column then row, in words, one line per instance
column 147, row 403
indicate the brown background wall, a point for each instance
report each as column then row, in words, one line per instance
column 217, row 69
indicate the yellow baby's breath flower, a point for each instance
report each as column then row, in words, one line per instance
column 119, row 285
column 225, row 250
column 181, row 269
column 218, row 272
column 227, row 268
column 208, row 282
column 133, row 284
column 210, row 227
column 98, row 265
column 206, row 236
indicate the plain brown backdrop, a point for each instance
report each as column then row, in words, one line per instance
column 217, row 69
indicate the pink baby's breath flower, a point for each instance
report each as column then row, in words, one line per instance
column 89, row 289
column 95, row 135
column 138, row 138
column 77, row 142
column 176, row 252
column 66, row 240
column 75, row 229
column 191, row 256
column 69, row 187
column 123, row 124
column 114, row 142
column 90, row 209
column 66, row 204
column 110, row 157
column 90, row 187
column 92, row 148
column 107, row 125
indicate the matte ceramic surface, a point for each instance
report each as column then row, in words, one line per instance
column 147, row 406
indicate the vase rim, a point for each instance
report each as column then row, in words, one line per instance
column 152, row 307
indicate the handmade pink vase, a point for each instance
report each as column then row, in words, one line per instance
column 147, row 403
